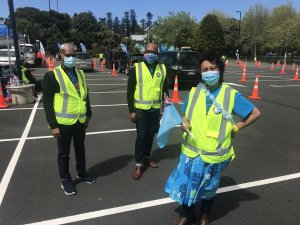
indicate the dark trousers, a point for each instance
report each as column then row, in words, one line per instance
column 77, row 132
column 146, row 126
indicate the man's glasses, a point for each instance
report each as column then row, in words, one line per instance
column 69, row 55
column 150, row 51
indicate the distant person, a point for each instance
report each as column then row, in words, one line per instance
column 208, row 113
column 146, row 84
column 68, row 111
column 28, row 78
column 38, row 58
column 101, row 57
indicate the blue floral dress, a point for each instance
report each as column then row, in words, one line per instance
column 193, row 180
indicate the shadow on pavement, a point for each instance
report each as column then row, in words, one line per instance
column 224, row 202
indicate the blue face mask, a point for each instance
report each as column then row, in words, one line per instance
column 69, row 61
column 211, row 77
column 150, row 58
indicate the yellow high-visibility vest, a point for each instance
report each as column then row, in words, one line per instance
column 212, row 132
column 101, row 56
column 24, row 78
column 148, row 92
column 68, row 105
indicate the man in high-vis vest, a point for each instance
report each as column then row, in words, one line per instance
column 68, row 111
column 101, row 57
column 206, row 146
column 146, row 84
column 28, row 78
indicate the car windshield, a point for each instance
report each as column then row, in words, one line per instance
column 168, row 58
column 83, row 56
column 189, row 58
column 5, row 53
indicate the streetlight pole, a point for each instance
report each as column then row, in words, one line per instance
column 238, row 45
column 49, row 5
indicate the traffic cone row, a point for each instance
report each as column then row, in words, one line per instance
column 278, row 63
column 175, row 97
column 255, row 90
column 3, row 104
column 293, row 67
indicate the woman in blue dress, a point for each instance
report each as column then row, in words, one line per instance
column 206, row 147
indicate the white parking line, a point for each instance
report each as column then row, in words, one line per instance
column 276, row 86
column 89, row 133
column 29, row 108
column 13, row 162
column 158, row 202
column 234, row 84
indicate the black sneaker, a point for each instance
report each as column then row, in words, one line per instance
column 69, row 188
column 87, row 179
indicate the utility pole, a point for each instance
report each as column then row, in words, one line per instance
column 15, row 35
column 238, row 45
column 49, row 5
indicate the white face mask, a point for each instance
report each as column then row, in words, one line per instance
column 69, row 61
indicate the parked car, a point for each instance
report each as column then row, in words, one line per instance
column 120, row 59
column 184, row 64
column 135, row 58
column 84, row 61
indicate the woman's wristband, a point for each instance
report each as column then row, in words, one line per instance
column 235, row 128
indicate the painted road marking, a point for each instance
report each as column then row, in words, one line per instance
column 14, row 159
column 89, row 133
column 158, row 202
column 276, row 86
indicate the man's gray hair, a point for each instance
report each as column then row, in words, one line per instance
column 68, row 44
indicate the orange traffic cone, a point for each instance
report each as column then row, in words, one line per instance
column 3, row 105
column 52, row 63
column 296, row 77
column 102, row 67
column 49, row 64
column 293, row 67
column 255, row 90
column 244, row 75
column 282, row 69
column 175, row 97
column 258, row 65
column 278, row 63
column 94, row 63
column 272, row 67
column 113, row 72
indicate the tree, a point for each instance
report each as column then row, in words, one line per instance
column 210, row 35
column 283, row 30
column 109, row 21
column 175, row 29
column 230, row 30
column 253, row 29
column 149, row 16
column 143, row 25
column 133, row 22
column 84, row 29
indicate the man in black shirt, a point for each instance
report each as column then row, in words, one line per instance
column 146, row 84
column 68, row 111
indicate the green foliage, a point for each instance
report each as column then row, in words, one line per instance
column 210, row 35
column 175, row 29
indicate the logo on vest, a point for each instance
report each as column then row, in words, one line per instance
column 217, row 111
column 158, row 74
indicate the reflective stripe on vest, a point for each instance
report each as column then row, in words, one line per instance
column 141, row 83
column 219, row 151
column 64, row 113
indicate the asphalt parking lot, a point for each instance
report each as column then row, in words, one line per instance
column 261, row 186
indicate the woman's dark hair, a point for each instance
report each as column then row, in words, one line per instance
column 215, row 58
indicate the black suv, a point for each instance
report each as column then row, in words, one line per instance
column 184, row 64
column 120, row 59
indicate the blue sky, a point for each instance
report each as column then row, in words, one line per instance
column 196, row 8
